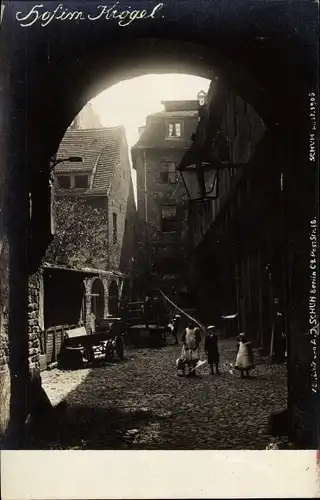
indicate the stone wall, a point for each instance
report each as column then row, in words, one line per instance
column 34, row 323
column 153, row 245
column 106, row 282
column 4, row 341
column 5, row 379
column 81, row 238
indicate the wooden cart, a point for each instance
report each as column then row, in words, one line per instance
column 80, row 349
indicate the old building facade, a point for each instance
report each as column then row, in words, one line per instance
column 246, row 244
column 162, row 236
column 87, row 270
column 230, row 129
column 277, row 78
column 95, row 208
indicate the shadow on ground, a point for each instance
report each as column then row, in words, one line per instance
column 140, row 403
column 81, row 427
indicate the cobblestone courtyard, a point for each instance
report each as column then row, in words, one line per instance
column 140, row 403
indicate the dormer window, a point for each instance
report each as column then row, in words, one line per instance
column 174, row 129
column 74, row 181
column 64, row 181
column 81, row 181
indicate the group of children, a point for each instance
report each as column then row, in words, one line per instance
column 190, row 356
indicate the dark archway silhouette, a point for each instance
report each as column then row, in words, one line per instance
column 97, row 299
column 265, row 51
column 113, row 299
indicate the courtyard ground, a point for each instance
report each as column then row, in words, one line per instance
column 141, row 403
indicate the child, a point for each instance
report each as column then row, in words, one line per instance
column 173, row 327
column 191, row 339
column 244, row 360
column 212, row 350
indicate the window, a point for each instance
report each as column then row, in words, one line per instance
column 64, row 182
column 115, row 228
column 168, row 172
column 169, row 219
column 81, row 181
column 174, row 129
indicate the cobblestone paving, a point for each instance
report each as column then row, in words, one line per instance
column 141, row 403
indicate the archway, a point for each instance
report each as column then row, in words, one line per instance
column 113, row 299
column 275, row 64
column 97, row 300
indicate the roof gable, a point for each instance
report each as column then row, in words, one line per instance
column 154, row 133
column 100, row 151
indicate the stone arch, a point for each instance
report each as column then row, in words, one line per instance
column 271, row 71
column 98, row 299
column 105, row 282
column 205, row 56
column 113, row 298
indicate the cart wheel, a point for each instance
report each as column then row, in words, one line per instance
column 110, row 353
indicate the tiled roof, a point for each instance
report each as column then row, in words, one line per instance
column 99, row 149
column 84, row 270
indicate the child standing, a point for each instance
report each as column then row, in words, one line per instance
column 212, row 349
column 191, row 339
column 244, row 360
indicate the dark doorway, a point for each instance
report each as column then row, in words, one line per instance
column 113, row 300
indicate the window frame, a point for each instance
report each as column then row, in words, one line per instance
column 163, row 219
column 72, row 177
column 59, row 177
column 165, row 169
column 81, row 175
column 174, row 123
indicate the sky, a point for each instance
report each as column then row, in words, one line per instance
column 129, row 102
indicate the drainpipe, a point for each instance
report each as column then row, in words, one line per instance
column 145, row 186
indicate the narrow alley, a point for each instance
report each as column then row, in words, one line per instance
column 141, row 403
